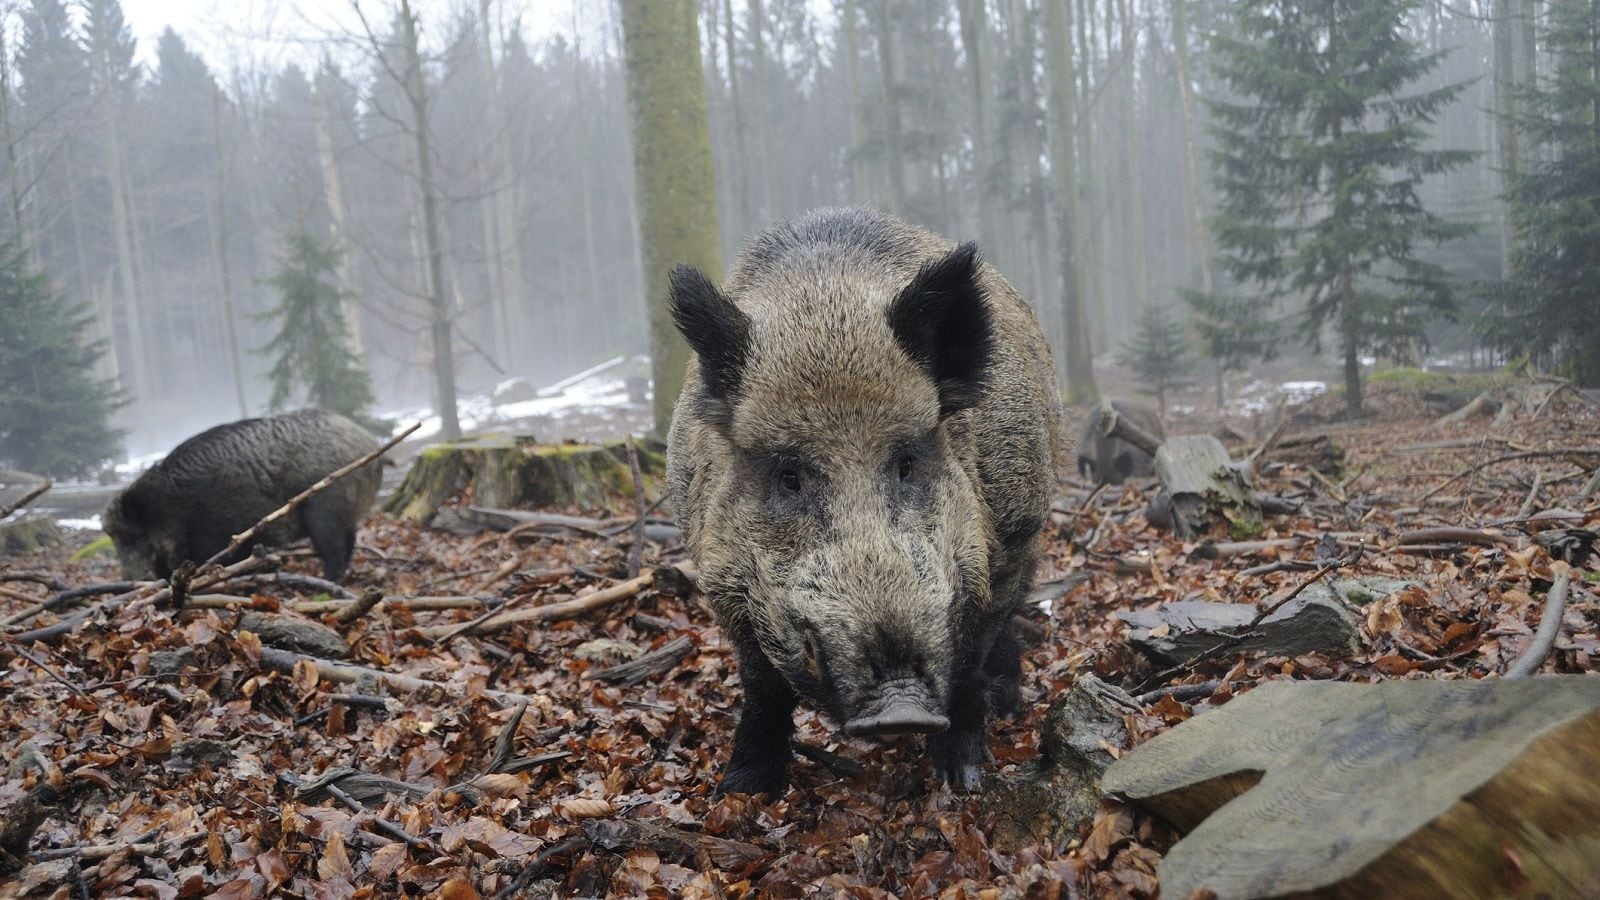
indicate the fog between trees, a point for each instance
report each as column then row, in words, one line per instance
column 479, row 177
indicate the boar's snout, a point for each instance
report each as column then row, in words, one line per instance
column 902, row 706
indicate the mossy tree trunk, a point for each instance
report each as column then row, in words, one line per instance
column 672, row 171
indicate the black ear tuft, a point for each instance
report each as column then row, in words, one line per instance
column 942, row 322
column 717, row 330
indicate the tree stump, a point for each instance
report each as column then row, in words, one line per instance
column 1413, row 789
column 28, row 533
column 515, row 471
column 1204, row 484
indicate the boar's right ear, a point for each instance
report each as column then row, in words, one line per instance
column 719, row 332
column 942, row 322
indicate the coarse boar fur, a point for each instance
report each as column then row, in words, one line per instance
column 225, row 479
column 861, row 460
column 1113, row 460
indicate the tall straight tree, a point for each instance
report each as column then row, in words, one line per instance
column 672, row 171
column 1064, row 172
column 1318, row 164
column 1553, row 306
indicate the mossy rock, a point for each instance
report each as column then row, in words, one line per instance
column 516, row 472
column 27, row 534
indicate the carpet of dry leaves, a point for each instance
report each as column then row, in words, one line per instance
column 180, row 780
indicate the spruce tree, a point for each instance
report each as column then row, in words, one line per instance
column 1159, row 353
column 1318, row 160
column 1551, row 299
column 310, row 353
column 55, row 415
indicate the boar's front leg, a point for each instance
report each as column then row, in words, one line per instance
column 958, row 751
column 766, row 722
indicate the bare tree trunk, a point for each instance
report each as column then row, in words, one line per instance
column 676, row 186
column 1135, row 158
column 974, row 28
column 444, row 366
column 1064, row 171
column 338, row 222
column 741, row 156
column 894, row 140
column 220, row 242
column 1086, row 230
column 1505, row 110
column 858, row 127
column 122, row 236
column 511, row 304
column 763, row 104
column 12, row 173
column 1194, row 211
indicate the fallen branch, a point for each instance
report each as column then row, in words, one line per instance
column 1466, row 412
column 1532, row 498
column 1427, row 536
column 659, row 661
column 163, row 593
column 27, row 498
column 67, row 598
column 347, row 673
column 1555, row 606
column 1242, row 634
column 1511, row 457
column 243, row 539
column 833, row 762
column 1225, row 549
column 369, row 598
column 551, row 612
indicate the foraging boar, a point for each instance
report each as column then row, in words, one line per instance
column 224, row 480
column 1113, row 460
column 861, row 461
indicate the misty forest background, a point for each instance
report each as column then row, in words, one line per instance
column 463, row 194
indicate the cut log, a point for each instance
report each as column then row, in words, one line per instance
column 1317, row 619
column 1401, row 789
column 1056, row 796
column 1203, row 485
column 515, row 471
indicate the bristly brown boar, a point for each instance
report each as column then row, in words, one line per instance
column 861, row 461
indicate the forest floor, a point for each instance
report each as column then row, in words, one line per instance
column 186, row 751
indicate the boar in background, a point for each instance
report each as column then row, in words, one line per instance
column 225, row 479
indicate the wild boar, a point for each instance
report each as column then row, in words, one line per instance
column 1113, row 460
column 861, row 461
column 225, row 479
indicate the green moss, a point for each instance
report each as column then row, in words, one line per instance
column 100, row 546
column 1424, row 380
column 1245, row 529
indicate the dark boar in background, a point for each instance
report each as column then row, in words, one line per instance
column 1112, row 460
column 224, row 480
column 861, row 461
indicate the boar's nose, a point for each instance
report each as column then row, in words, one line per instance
column 902, row 706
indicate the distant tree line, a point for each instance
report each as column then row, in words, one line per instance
column 472, row 184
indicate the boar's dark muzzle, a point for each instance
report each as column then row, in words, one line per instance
column 904, row 706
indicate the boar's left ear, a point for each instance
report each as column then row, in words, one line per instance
column 942, row 322
column 719, row 332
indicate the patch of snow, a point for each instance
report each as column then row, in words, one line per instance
column 90, row 524
column 1297, row 392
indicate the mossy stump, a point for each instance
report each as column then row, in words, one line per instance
column 516, row 472
column 27, row 534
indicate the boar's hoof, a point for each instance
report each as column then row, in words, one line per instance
column 956, row 758
column 899, row 707
column 752, row 780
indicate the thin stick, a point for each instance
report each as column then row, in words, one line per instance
column 1532, row 498
column 244, row 538
column 1555, row 606
column 636, row 554
column 369, row 598
column 27, row 498
column 67, row 597
column 388, row 827
column 20, row 651
column 553, row 612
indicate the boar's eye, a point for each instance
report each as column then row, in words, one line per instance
column 790, row 480
column 907, row 465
